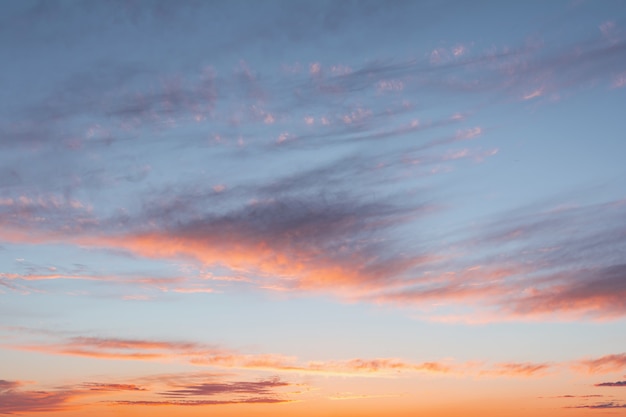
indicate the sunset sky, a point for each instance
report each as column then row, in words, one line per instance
column 313, row 208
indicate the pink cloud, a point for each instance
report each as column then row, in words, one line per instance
column 315, row 69
column 469, row 133
column 533, row 94
column 602, row 365
column 525, row 369
column 14, row 400
column 619, row 81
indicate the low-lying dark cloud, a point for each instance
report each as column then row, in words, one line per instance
column 204, row 402
column 257, row 388
column 611, row 384
column 600, row 406
column 15, row 400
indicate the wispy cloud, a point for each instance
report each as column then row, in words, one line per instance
column 201, row 354
column 603, row 364
column 519, row 369
column 111, row 387
column 14, row 400
column 215, row 356
column 541, row 264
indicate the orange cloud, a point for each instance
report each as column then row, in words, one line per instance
column 602, row 365
column 206, row 355
column 525, row 369
column 384, row 366
column 295, row 266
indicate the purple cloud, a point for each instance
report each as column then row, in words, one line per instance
column 599, row 406
column 611, row 384
column 14, row 400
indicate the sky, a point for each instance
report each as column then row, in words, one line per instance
column 312, row 208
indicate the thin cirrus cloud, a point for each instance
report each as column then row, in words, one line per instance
column 130, row 106
column 201, row 354
column 520, row 369
column 603, row 364
column 214, row 356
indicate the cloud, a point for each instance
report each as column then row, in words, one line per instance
column 603, row 364
column 383, row 366
column 525, row 369
column 214, row 356
column 346, row 244
column 308, row 242
column 257, row 388
column 203, row 402
column 264, row 391
column 577, row 396
column 181, row 391
column 124, row 349
column 598, row 291
column 9, row 385
column 301, row 226
column 542, row 262
column 16, row 401
column 202, row 354
column 611, row 384
column 108, row 387
column 607, row 405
